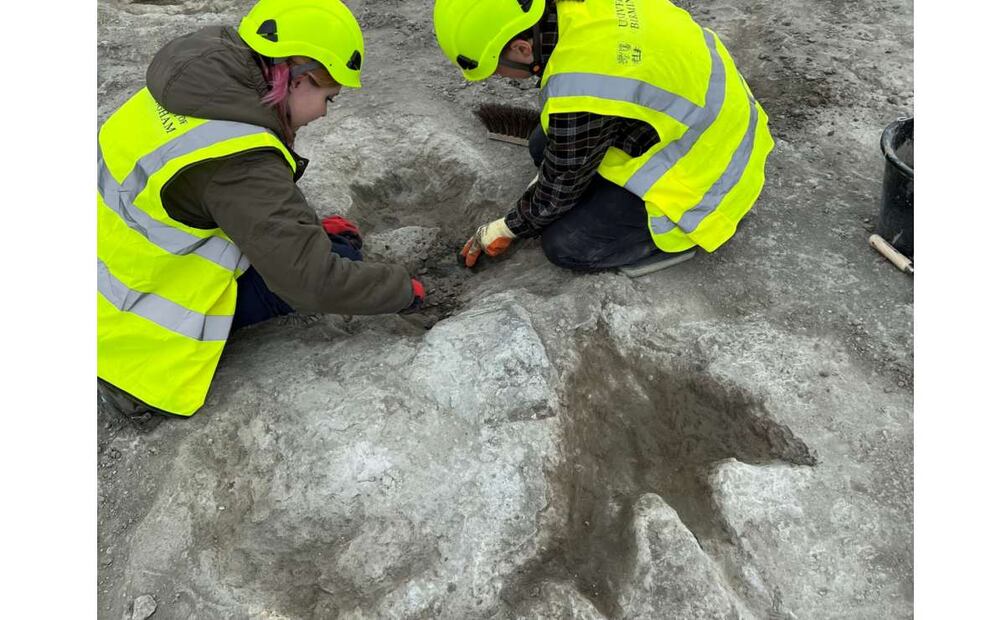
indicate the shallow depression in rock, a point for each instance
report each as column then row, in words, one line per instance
column 419, row 214
column 632, row 426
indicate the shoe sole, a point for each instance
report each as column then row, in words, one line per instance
column 650, row 266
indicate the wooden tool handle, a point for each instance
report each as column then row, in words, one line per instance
column 502, row 137
column 900, row 260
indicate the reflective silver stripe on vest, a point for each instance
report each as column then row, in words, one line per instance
column 120, row 198
column 696, row 118
column 164, row 312
column 691, row 218
column 667, row 157
column 661, row 224
column 622, row 89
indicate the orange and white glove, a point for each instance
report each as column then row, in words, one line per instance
column 493, row 238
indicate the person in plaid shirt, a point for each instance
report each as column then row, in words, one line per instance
column 585, row 221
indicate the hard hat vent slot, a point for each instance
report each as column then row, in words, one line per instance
column 268, row 30
column 467, row 63
column 354, row 61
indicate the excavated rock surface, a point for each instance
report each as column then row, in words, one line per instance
column 731, row 438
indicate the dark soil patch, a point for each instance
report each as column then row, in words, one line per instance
column 635, row 426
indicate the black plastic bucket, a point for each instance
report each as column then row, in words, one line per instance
column 897, row 202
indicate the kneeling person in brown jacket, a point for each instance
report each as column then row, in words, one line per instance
column 201, row 226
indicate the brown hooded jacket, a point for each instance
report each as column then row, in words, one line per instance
column 252, row 196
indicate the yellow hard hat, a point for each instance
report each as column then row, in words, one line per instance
column 472, row 33
column 323, row 30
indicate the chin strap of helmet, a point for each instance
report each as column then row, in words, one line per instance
column 536, row 65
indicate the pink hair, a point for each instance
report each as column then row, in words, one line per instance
column 277, row 76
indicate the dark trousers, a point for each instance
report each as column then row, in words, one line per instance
column 606, row 228
column 256, row 303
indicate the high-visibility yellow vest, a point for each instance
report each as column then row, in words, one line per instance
column 647, row 60
column 166, row 291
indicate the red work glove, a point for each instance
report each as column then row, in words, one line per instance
column 418, row 296
column 340, row 226
column 493, row 238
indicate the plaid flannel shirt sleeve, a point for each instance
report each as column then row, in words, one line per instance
column 577, row 144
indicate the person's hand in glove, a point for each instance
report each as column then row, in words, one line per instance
column 336, row 225
column 492, row 238
column 418, row 297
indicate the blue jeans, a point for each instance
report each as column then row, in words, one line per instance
column 256, row 303
column 606, row 228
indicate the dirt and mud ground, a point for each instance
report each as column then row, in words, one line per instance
column 763, row 393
